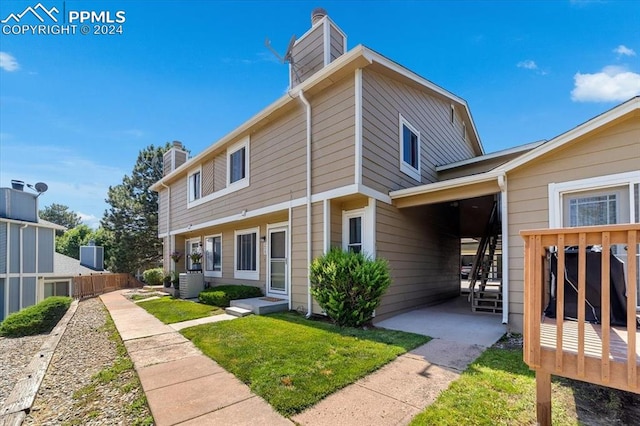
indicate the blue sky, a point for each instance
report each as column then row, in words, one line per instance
column 76, row 109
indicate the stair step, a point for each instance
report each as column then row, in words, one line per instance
column 237, row 311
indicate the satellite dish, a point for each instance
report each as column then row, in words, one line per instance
column 287, row 55
column 41, row 187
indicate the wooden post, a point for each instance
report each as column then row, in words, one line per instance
column 543, row 397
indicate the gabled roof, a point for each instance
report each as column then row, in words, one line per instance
column 358, row 57
column 632, row 106
column 66, row 266
column 481, row 183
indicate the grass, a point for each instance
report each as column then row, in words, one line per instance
column 293, row 362
column 120, row 375
column 499, row 389
column 169, row 310
column 39, row 318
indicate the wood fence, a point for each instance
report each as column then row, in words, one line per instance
column 92, row 285
column 599, row 352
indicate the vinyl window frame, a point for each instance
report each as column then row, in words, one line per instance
column 243, row 274
column 194, row 193
column 406, row 167
column 212, row 272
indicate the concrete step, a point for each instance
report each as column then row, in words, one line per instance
column 260, row 305
column 237, row 311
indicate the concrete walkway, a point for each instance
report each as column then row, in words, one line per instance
column 403, row 388
column 185, row 387
column 181, row 384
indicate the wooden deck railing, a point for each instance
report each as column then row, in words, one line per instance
column 92, row 285
column 595, row 353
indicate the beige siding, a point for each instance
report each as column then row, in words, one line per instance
column 299, row 264
column 207, row 178
column 228, row 248
column 422, row 249
column 308, row 55
column 333, row 127
column 220, row 172
column 277, row 164
column 441, row 140
column 615, row 150
column 337, row 43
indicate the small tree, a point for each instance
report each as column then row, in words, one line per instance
column 60, row 215
column 349, row 286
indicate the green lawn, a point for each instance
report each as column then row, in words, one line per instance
column 292, row 362
column 169, row 310
column 499, row 389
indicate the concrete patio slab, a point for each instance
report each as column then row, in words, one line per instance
column 184, row 369
column 452, row 321
column 242, row 414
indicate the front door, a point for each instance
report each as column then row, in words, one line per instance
column 278, row 283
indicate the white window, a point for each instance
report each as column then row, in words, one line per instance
column 238, row 163
column 601, row 200
column 57, row 288
column 354, row 233
column 195, row 189
column 213, row 256
column 358, row 230
column 194, row 247
column 594, row 201
column 409, row 149
column 246, row 256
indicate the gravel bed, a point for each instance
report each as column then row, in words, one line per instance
column 15, row 355
column 70, row 394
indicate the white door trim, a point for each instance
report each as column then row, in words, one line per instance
column 271, row 228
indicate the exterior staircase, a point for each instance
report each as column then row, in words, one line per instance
column 485, row 291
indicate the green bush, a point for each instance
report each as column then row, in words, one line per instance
column 222, row 295
column 153, row 276
column 36, row 319
column 349, row 286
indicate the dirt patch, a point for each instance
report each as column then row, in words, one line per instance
column 592, row 404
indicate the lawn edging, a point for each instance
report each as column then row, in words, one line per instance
column 23, row 394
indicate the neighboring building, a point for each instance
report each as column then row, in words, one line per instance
column 365, row 155
column 27, row 245
column 30, row 269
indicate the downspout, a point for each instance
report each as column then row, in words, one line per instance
column 504, row 214
column 168, row 222
column 308, row 107
column 21, row 274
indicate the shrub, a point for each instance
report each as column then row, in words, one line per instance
column 349, row 286
column 153, row 276
column 36, row 319
column 223, row 295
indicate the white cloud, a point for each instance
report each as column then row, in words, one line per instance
column 623, row 50
column 8, row 62
column 90, row 220
column 527, row 64
column 612, row 84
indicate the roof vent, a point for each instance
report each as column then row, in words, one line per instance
column 317, row 14
column 17, row 185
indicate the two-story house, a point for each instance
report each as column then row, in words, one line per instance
column 314, row 170
column 363, row 154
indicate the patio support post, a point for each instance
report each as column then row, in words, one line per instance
column 543, row 397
